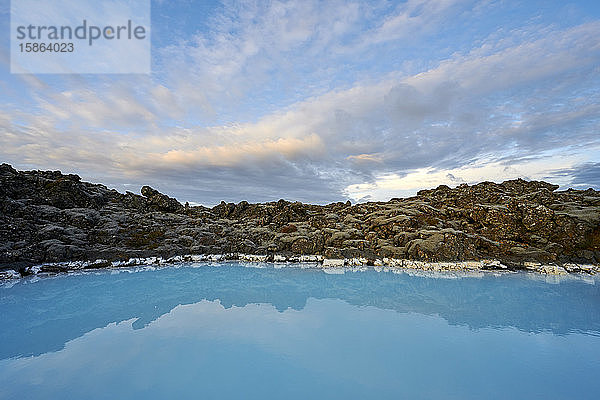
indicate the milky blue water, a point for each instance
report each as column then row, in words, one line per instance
column 234, row 332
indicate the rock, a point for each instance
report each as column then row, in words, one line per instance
column 160, row 202
column 47, row 216
column 552, row 270
column 9, row 273
column 289, row 228
column 331, row 263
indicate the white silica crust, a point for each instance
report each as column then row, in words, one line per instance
column 9, row 274
column 334, row 262
column 311, row 261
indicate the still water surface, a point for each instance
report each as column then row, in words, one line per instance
column 227, row 331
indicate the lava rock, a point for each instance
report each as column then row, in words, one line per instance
column 47, row 216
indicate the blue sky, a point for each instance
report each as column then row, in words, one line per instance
column 323, row 101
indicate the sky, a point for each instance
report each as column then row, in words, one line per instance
column 322, row 101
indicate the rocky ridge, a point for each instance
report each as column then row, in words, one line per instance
column 57, row 222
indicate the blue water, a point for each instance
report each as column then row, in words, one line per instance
column 233, row 332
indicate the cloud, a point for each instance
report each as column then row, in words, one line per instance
column 296, row 45
column 582, row 175
column 116, row 108
column 487, row 68
column 410, row 18
column 237, row 154
column 204, row 128
column 587, row 175
column 409, row 183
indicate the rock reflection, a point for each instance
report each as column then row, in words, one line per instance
column 42, row 316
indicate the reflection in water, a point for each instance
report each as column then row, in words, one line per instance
column 237, row 332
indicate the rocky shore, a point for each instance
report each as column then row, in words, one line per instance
column 51, row 222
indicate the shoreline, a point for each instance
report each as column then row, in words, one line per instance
column 47, row 217
column 330, row 265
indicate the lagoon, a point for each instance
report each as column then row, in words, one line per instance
column 254, row 331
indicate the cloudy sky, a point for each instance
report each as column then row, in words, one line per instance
column 323, row 101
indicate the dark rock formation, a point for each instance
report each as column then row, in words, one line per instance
column 160, row 202
column 46, row 216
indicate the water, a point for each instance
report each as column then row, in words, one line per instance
column 230, row 332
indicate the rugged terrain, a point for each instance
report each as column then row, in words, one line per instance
column 46, row 216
